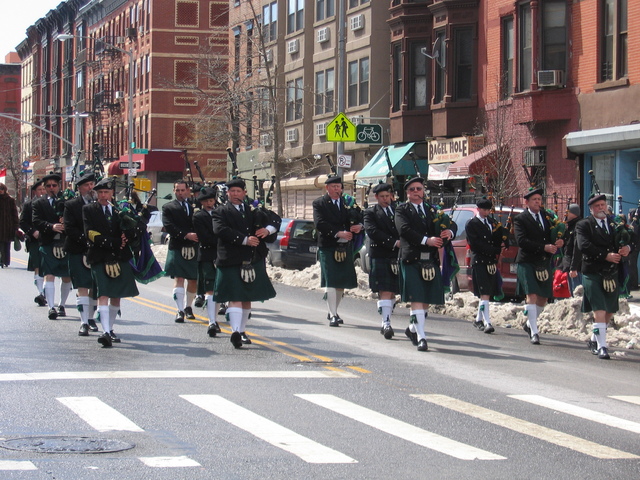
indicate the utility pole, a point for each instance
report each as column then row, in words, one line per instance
column 341, row 71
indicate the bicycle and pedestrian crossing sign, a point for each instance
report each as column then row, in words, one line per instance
column 340, row 129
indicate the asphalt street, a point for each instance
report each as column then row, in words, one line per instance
column 304, row 400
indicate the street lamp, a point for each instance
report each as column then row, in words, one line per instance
column 66, row 36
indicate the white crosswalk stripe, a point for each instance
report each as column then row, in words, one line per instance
column 527, row 428
column 580, row 412
column 99, row 415
column 16, row 465
column 627, row 398
column 269, row 431
column 401, row 429
column 169, row 462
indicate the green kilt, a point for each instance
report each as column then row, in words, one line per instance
column 80, row 274
column 177, row 266
column 229, row 286
column 337, row 274
column 122, row 286
column 528, row 284
column 34, row 256
column 413, row 288
column 381, row 278
column 206, row 277
column 483, row 282
column 50, row 265
column 594, row 296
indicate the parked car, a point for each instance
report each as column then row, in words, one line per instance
column 297, row 247
column 274, row 255
column 156, row 229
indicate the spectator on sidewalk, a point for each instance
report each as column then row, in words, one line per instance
column 8, row 225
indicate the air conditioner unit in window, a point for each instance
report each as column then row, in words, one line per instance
column 292, row 135
column 321, row 129
column 269, row 55
column 293, row 46
column 356, row 22
column 323, row 35
column 119, row 95
column 535, row 157
column 50, row 109
column 265, row 140
column 357, row 120
column 550, row 78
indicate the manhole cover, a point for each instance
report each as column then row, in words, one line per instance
column 66, row 445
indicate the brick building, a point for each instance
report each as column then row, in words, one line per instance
column 10, row 129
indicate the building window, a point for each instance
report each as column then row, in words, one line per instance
column 270, row 22
column 355, row 3
column 440, row 78
column 525, row 43
column 397, row 78
column 325, row 9
column 464, row 53
column 604, row 170
column 324, row 91
column 294, row 100
column 249, row 48
column 186, row 13
column 295, row 16
column 419, row 75
column 614, row 40
column 358, row 82
column 554, row 35
column 236, row 51
column 506, row 82
column 266, row 112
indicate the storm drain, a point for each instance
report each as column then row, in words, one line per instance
column 66, row 445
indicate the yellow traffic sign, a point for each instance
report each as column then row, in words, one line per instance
column 340, row 129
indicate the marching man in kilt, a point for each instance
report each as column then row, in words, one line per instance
column 47, row 219
column 75, row 245
column 182, row 256
column 108, row 255
column 241, row 276
column 335, row 247
column 203, row 225
column 383, row 252
column 601, row 255
column 485, row 248
column 32, row 245
column 534, row 277
column 420, row 277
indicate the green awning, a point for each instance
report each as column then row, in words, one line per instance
column 378, row 168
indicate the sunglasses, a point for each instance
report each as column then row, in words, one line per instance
column 48, row 185
column 415, row 189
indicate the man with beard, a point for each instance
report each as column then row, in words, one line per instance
column 76, row 246
column 601, row 256
column 32, row 245
column 182, row 258
column 383, row 253
column 47, row 219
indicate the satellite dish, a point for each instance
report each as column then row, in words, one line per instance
column 437, row 52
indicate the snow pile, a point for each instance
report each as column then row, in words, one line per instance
column 563, row 317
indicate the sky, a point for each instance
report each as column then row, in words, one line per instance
column 17, row 17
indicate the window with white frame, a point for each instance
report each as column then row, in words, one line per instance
column 294, row 100
column 324, row 91
column 270, row 22
column 614, row 49
column 325, row 9
column 358, row 82
column 355, row 3
column 295, row 15
column 419, row 77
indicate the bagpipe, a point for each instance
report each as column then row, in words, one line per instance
column 262, row 216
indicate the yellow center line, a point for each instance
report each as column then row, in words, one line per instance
column 21, row 262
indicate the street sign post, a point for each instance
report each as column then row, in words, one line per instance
column 125, row 165
column 369, row 133
column 344, row 161
column 143, row 151
column 340, row 129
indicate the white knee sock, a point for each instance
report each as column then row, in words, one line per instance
column 178, row 296
column 113, row 312
column 189, row 299
column 420, row 316
column 234, row 317
column 50, row 293
column 93, row 306
column 485, row 311
column 83, row 307
column 385, row 307
column 600, row 332
column 339, row 295
column 65, row 288
column 38, row 281
column 531, row 311
column 245, row 318
column 332, row 302
column 211, row 309
column 103, row 310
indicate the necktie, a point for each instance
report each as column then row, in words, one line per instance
column 603, row 224
column 538, row 220
column 420, row 211
column 241, row 208
column 486, row 222
column 185, row 205
column 337, row 204
column 51, row 201
column 107, row 212
column 389, row 212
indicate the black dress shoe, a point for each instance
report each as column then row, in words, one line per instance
column 245, row 339
column 211, row 330
column 422, row 345
column 84, row 330
column 413, row 336
column 526, row 328
column 114, row 337
column 218, row 329
column 593, row 347
column 479, row 324
column 223, row 309
column 489, row 329
column 535, row 339
column 53, row 314
column 188, row 312
column 61, row 311
column 105, row 340
column 340, row 321
column 236, row 339
column 40, row 300
column 603, row 354
column 333, row 322
column 92, row 325
column 388, row 332
column 199, row 301
column 179, row 317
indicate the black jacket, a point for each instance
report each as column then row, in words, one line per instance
column 44, row 218
column 485, row 245
column 595, row 244
column 412, row 229
column 330, row 220
column 382, row 232
column 76, row 240
column 177, row 224
column 203, row 225
column 572, row 259
column 531, row 238
column 105, row 238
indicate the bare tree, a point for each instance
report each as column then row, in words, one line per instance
column 10, row 154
